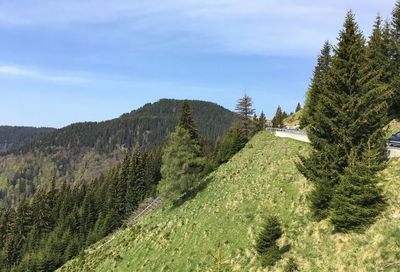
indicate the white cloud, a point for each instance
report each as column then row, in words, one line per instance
column 241, row 26
column 40, row 75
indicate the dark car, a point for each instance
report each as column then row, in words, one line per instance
column 394, row 140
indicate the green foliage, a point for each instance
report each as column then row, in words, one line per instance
column 257, row 179
column 186, row 121
column 291, row 265
column 181, row 165
column 345, row 113
column 277, row 121
column 232, row 143
column 245, row 113
column 12, row 138
column 298, row 107
column 57, row 224
column 266, row 245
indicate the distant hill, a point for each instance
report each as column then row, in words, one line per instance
column 147, row 126
column 260, row 180
column 82, row 151
column 13, row 137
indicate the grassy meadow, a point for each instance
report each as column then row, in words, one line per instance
column 225, row 218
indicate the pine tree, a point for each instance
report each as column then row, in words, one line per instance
column 266, row 244
column 181, row 165
column 318, row 84
column 345, row 112
column 245, row 113
column 298, row 107
column 261, row 122
column 186, row 121
column 395, row 60
column 136, row 183
column 232, row 143
column 277, row 121
column 358, row 200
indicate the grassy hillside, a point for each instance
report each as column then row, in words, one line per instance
column 261, row 180
column 293, row 120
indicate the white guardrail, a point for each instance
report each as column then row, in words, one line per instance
column 301, row 135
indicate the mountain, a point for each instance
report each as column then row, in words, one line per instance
column 147, row 126
column 82, row 151
column 13, row 138
column 225, row 218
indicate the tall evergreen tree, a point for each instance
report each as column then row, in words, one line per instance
column 318, row 84
column 261, row 122
column 136, row 183
column 232, row 143
column 181, row 165
column 395, row 60
column 345, row 124
column 186, row 121
column 277, row 121
column 245, row 113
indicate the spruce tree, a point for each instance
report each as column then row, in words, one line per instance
column 261, row 122
column 245, row 113
column 395, row 60
column 358, row 200
column 344, row 118
column 277, row 121
column 136, row 183
column 232, row 143
column 318, row 84
column 298, row 107
column 182, row 165
column 186, row 121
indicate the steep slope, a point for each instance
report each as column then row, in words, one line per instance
column 80, row 152
column 13, row 137
column 261, row 180
column 293, row 120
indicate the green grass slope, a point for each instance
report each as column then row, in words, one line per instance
column 260, row 180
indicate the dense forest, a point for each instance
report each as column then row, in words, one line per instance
column 13, row 138
column 147, row 126
column 80, row 152
column 43, row 232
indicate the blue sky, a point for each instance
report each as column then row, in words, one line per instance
column 66, row 61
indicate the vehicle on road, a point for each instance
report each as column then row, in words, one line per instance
column 394, row 140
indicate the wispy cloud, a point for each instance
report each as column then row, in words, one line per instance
column 266, row 27
column 40, row 75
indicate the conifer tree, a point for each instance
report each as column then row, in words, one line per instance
column 318, row 84
column 261, row 123
column 277, row 121
column 345, row 116
column 136, row 183
column 298, row 107
column 232, row 143
column 181, row 165
column 186, row 121
column 395, row 60
column 245, row 113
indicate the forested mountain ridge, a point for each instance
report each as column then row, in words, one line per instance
column 146, row 126
column 80, row 152
column 14, row 137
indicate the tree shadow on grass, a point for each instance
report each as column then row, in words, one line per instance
column 285, row 248
column 191, row 193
